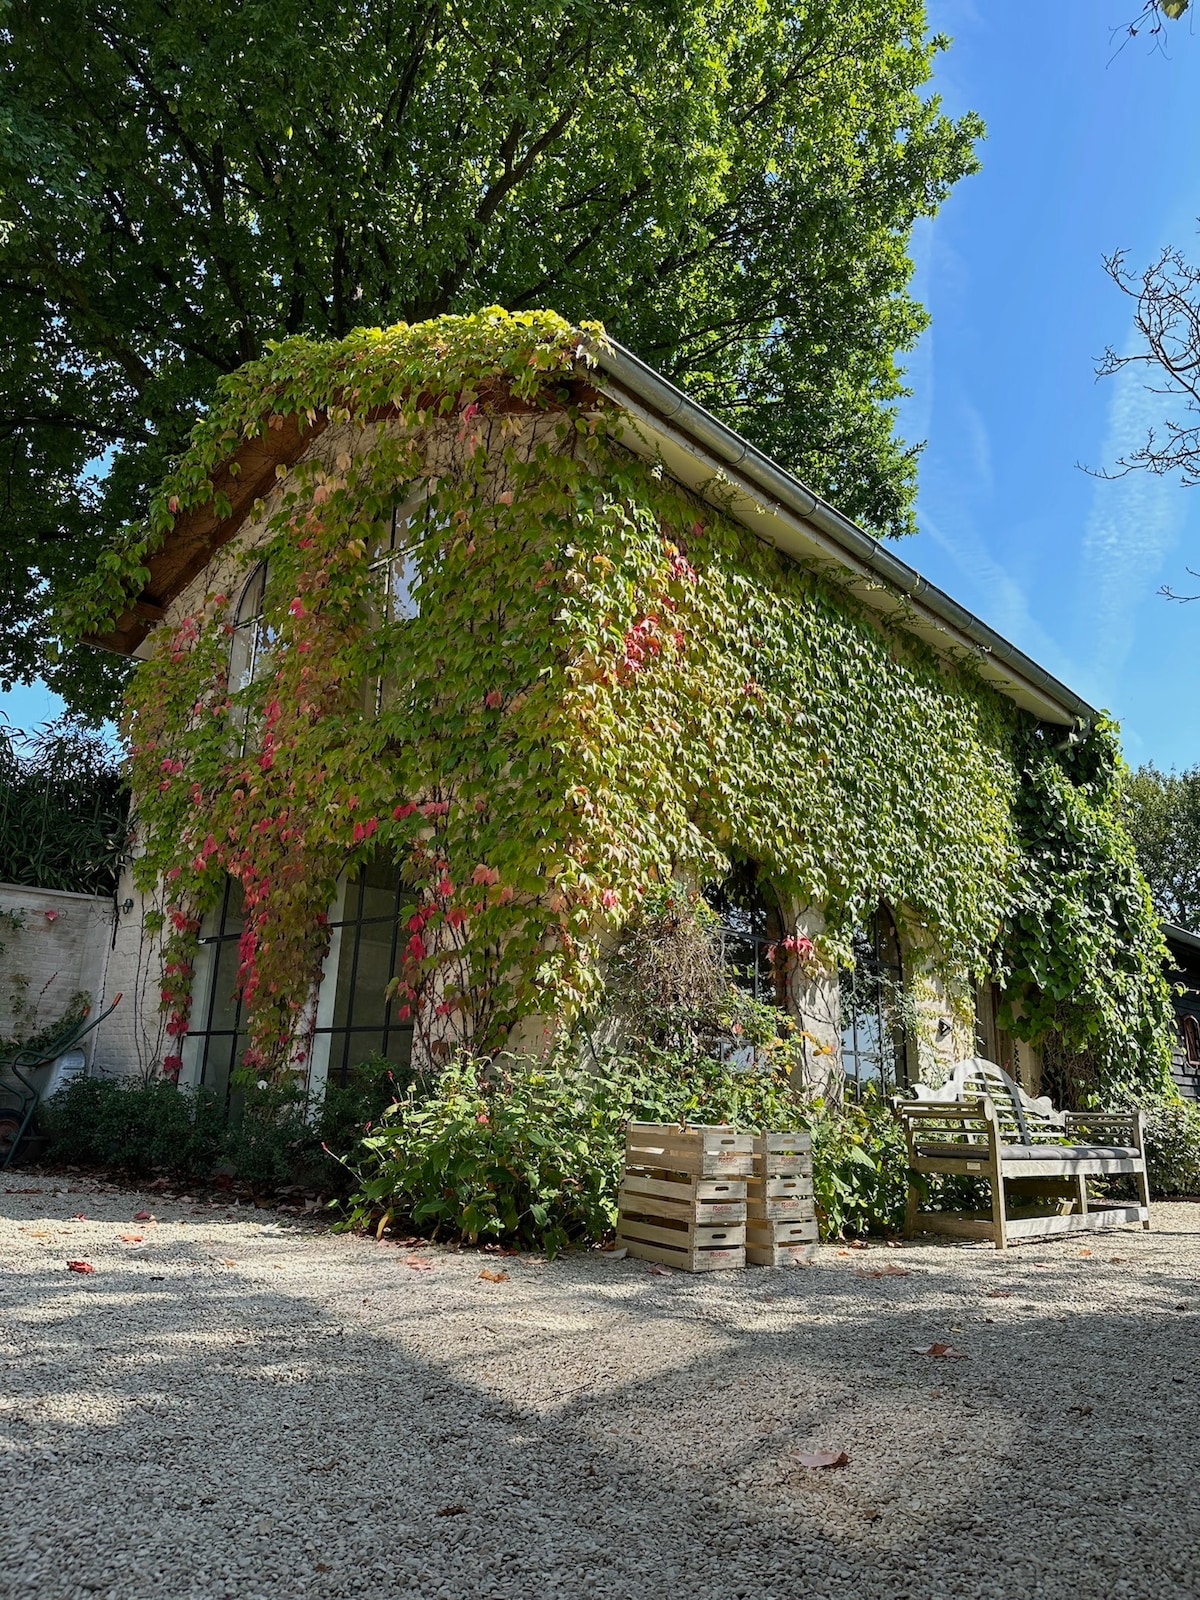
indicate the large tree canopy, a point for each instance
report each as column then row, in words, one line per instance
column 728, row 184
column 1162, row 813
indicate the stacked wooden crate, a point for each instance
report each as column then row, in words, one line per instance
column 781, row 1222
column 683, row 1195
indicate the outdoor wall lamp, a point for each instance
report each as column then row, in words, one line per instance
column 944, row 1027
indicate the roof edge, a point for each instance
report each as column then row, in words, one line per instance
column 773, row 481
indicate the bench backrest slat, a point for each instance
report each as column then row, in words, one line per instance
column 1021, row 1119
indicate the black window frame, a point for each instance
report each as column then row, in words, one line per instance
column 873, row 975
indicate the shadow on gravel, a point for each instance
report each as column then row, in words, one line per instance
column 427, row 1435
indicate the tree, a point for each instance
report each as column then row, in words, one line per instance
column 63, row 809
column 1162, row 813
column 728, row 184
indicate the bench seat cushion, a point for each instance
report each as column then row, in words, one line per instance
column 1030, row 1152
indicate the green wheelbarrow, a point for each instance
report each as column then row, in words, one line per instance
column 19, row 1099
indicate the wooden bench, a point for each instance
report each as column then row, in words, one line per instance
column 980, row 1124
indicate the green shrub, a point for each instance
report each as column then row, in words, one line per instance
column 860, row 1166
column 268, row 1138
column 1172, row 1146
column 530, row 1151
column 135, row 1127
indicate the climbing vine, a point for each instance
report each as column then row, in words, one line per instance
column 606, row 681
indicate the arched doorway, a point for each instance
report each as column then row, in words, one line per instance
column 870, row 993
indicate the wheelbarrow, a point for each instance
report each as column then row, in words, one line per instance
column 19, row 1100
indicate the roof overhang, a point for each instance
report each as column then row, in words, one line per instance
column 701, row 453
column 720, row 465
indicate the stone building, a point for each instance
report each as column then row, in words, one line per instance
column 903, row 1011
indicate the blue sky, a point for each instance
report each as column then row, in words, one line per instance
column 1087, row 151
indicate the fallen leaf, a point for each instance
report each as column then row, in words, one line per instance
column 80, row 1266
column 871, row 1515
column 613, row 1255
column 857, row 1244
column 132, row 1238
column 228, row 1261
column 1085, row 1252
column 824, row 1458
column 1116, row 1260
column 999, row 1294
column 450, row 1511
column 493, row 1277
column 659, row 1272
column 419, row 1263
column 79, row 1216
column 323, row 1566
column 843, row 1252
column 1084, row 1411
column 947, row 1351
column 142, row 1216
column 882, row 1272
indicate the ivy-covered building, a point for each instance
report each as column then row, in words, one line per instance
column 455, row 638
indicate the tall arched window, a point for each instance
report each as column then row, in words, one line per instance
column 870, row 994
column 394, row 594
column 750, row 927
column 252, row 639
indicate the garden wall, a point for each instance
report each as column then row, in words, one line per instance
column 53, row 945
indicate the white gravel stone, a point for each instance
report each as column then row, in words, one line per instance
column 235, row 1409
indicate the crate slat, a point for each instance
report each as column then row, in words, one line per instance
column 632, row 1201
column 682, row 1186
column 685, row 1260
column 796, row 1142
column 697, row 1236
column 799, row 1210
column 780, row 1255
column 761, row 1233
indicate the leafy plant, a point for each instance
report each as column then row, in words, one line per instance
column 860, row 1166
column 1172, row 1145
column 63, row 806
column 274, row 1137
column 530, row 1151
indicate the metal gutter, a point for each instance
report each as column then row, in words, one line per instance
column 630, row 378
column 1180, row 935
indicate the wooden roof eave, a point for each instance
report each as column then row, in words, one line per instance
column 246, row 477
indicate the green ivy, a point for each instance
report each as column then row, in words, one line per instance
column 610, row 681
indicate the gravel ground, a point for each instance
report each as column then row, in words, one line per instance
column 233, row 1407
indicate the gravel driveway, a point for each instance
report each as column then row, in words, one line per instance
column 243, row 1407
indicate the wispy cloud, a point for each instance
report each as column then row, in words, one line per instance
column 1132, row 526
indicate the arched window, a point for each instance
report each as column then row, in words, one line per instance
column 871, row 992
column 1189, row 1030
column 252, row 639
column 394, row 561
column 394, row 595
column 750, row 927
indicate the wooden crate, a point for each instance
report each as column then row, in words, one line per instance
column 783, row 1155
column 653, row 1192
column 698, row 1150
column 694, row 1248
column 780, row 1199
column 780, row 1255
